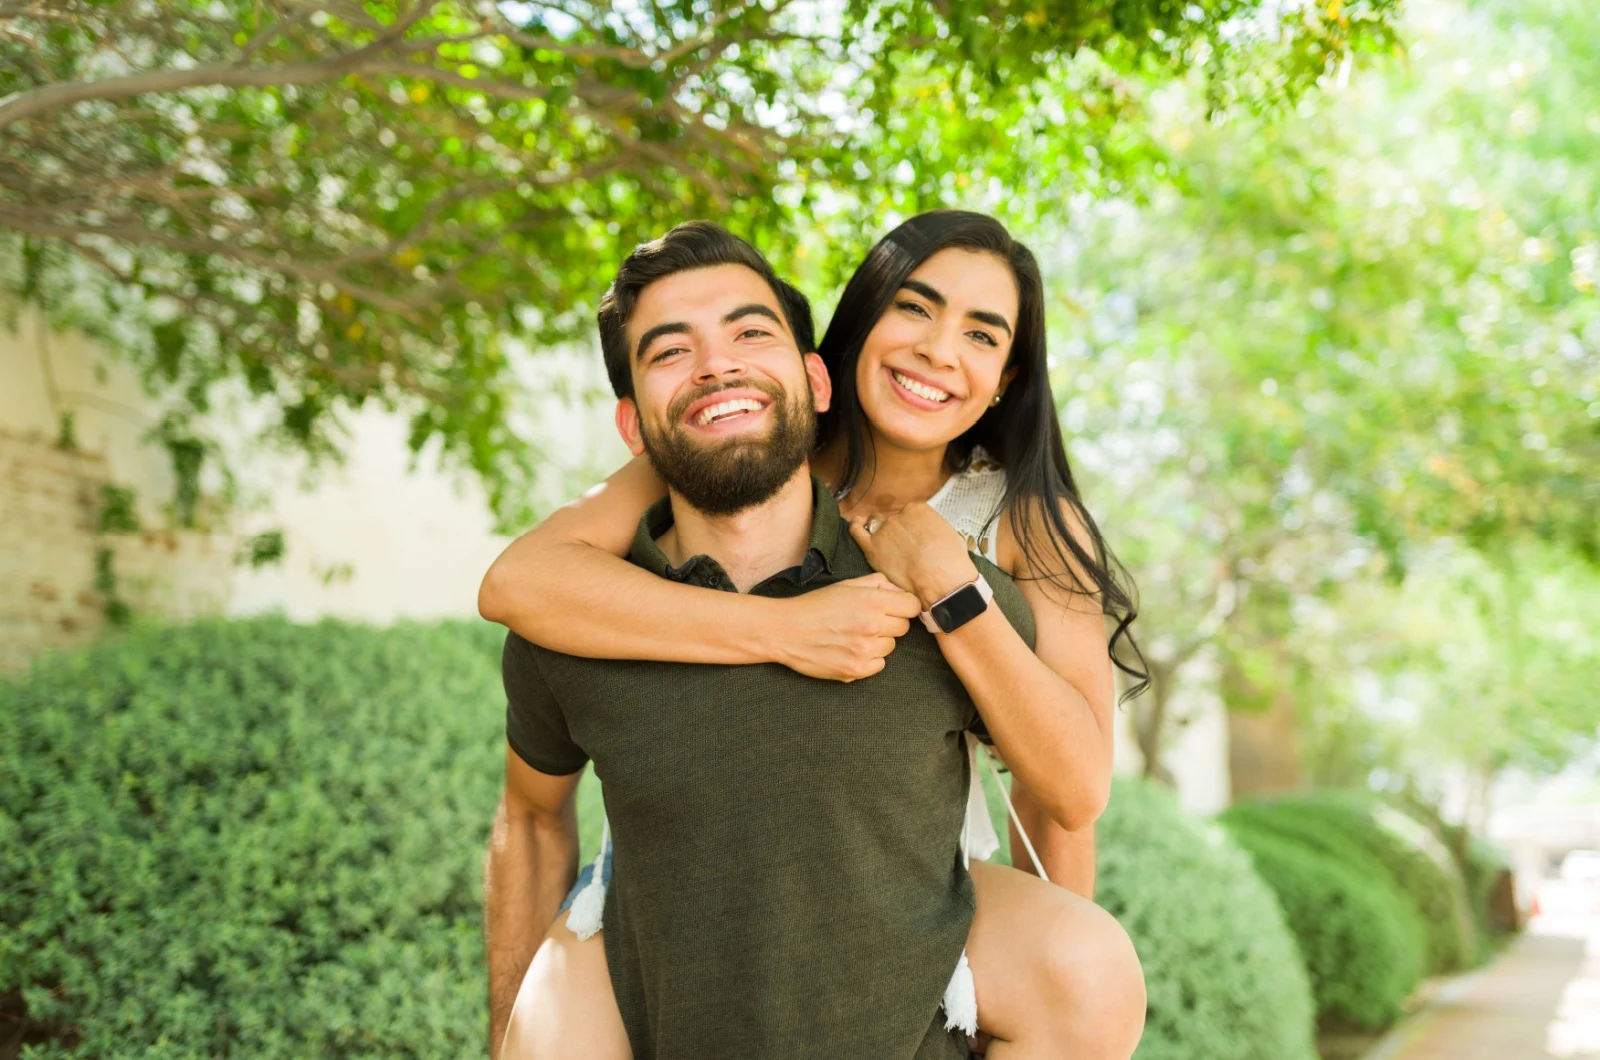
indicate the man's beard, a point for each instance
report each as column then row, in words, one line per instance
column 729, row 476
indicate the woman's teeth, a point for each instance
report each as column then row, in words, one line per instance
column 922, row 390
column 726, row 408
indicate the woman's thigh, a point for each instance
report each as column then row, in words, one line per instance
column 565, row 1007
column 1051, row 967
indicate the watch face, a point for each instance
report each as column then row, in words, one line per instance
column 959, row 608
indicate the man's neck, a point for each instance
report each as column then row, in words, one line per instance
column 751, row 545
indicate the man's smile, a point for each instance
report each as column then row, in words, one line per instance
column 727, row 411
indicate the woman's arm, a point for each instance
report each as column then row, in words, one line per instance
column 1067, row 857
column 564, row 585
column 1048, row 709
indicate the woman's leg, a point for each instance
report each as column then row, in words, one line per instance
column 565, row 1008
column 1056, row 975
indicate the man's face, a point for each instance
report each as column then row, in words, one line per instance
column 724, row 403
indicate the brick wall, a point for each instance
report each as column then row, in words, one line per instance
column 49, row 541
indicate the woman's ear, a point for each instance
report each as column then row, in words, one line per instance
column 821, row 384
column 1005, row 381
column 628, row 426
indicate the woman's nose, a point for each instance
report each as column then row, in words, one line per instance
column 938, row 350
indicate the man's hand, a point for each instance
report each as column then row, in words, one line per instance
column 845, row 631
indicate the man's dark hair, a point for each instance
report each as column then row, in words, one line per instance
column 691, row 245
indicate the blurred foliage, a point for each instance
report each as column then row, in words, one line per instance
column 332, row 203
column 1382, row 843
column 1362, row 942
column 1222, row 973
column 1357, row 336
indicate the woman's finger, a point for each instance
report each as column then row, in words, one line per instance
column 858, row 531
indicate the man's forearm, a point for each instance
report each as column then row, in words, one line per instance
column 530, row 868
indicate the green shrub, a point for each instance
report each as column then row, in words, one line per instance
column 264, row 840
column 1224, row 978
column 1485, row 866
column 1377, row 839
column 1362, row 942
column 251, row 839
column 1481, row 864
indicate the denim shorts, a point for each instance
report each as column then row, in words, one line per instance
column 586, row 874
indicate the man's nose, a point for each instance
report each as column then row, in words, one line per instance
column 718, row 361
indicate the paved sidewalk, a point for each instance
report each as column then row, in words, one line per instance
column 1539, row 1000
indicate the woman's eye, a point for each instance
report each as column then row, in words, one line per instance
column 983, row 337
column 912, row 307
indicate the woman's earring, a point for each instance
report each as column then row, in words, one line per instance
column 997, row 397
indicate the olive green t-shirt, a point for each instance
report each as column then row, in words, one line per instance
column 788, row 879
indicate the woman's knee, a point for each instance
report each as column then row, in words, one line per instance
column 1091, row 968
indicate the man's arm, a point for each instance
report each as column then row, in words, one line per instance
column 532, row 863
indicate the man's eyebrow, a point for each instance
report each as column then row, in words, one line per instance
column 752, row 308
column 676, row 327
column 983, row 316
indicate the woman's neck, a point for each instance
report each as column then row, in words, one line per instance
column 891, row 476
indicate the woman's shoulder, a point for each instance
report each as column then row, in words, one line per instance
column 971, row 500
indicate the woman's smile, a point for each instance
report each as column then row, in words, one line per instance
column 918, row 392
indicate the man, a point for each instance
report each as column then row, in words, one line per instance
column 788, row 879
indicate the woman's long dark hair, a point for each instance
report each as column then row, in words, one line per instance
column 1021, row 432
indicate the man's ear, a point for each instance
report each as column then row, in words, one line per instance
column 821, row 384
column 628, row 425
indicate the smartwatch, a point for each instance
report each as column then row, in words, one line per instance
column 958, row 608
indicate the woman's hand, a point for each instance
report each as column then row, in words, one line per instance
column 844, row 631
column 916, row 549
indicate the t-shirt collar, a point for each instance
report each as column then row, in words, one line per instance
column 705, row 571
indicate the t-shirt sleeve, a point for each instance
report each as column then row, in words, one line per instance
column 536, row 726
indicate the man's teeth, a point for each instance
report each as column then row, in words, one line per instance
column 922, row 390
column 727, row 408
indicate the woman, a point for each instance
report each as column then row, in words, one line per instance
column 941, row 394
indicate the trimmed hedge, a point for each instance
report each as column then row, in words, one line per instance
column 265, row 840
column 1483, row 867
column 251, row 839
column 1362, row 942
column 1362, row 832
column 1222, row 972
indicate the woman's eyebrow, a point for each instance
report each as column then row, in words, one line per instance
column 994, row 320
column 925, row 291
column 982, row 316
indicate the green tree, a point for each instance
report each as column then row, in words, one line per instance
column 336, row 202
column 1354, row 331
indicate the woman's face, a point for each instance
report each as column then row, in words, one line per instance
column 937, row 357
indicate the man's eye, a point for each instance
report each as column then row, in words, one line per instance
column 670, row 351
column 754, row 333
